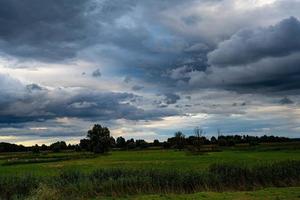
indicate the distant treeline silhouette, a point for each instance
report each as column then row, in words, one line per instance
column 99, row 140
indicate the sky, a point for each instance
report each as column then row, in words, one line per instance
column 146, row 69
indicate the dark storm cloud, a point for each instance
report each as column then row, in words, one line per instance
column 182, row 50
column 105, row 106
column 137, row 36
column 129, row 34
column 188, row 97
column 96, row 73
column 127, row 79
column 170, row 98
column 44, row 29
column 256, row 60
column 166, row 100
column 33, row 87
column 137, row 87
column 272, row 75
column 57, row 29
column 18, row 105
column 250, row 45
column 285, row 101
column 140, row 41
column 102, row 30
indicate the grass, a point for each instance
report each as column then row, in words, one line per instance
column 147, row 159
column 289, row 193
column 119, row 182
column 44, row 158
column 145, row 172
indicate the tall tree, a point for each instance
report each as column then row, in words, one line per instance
column 199, row 139
column 180, row 140
column 121, row 142
column 99, row 139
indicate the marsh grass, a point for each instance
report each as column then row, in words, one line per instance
column 12, row 187
column 73, row 184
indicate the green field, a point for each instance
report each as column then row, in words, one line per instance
column 291, row 193
column 47, row 164
column 146, row 159
column 288, row 193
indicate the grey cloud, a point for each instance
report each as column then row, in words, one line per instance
column 250, row 45
column 225, row 109
column 137, row 87
column 33, row 87
column 267, row 75
column 170, row 98
column 128, row 34
column 142, row 46
column 55, row 30
column 198, row 47
column 285, row 101
column 180, row 72
column 96, row 73
column 18, row 106
column 188, row 97
column 127, row 79
column 49, row 128
column 165, row 43
column 241, row 104
column 46, row 30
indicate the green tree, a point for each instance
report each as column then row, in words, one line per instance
column 121, row 142
column 180, row 140
column 58, row 146
column 199, row 139
column 156, row 142
column 99, row 139
column 36, row 149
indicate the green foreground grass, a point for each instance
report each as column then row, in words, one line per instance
column 160, row 172
column 146, row 159
column 290, row 193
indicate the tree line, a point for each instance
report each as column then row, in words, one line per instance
column 99, row 140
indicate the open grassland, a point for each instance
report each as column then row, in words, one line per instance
column 152, row 174
column 47, row 164
column 290, row 193
column 76, row 185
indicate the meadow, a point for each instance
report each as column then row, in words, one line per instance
column 290, row 193
column 152, row 174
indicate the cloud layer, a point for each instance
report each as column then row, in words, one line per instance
column 26, row 103
column 250, row 45
column 148, row 68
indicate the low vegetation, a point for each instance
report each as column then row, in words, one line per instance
column 44, row 158
column 119, row 182
column 287, row 193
